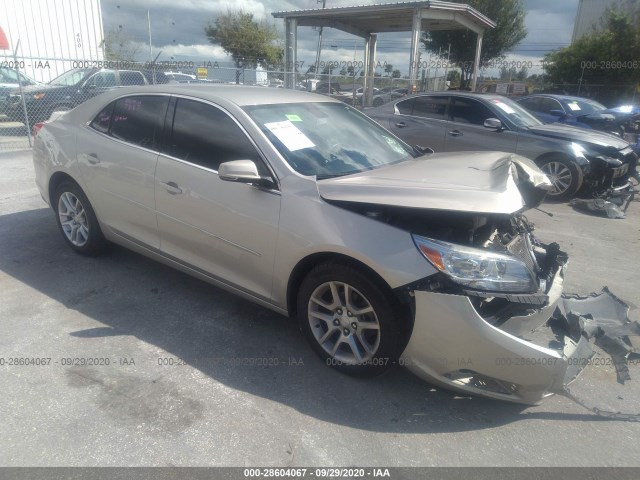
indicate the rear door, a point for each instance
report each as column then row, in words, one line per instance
column 421, row 121
column 117, row 154
column 227, row 230
column 466, row 132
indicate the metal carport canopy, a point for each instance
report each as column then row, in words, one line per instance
column 368, row 20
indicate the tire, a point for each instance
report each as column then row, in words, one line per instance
column 361, row 337
column 564, row 176
column 76, row 219
column 377, row 102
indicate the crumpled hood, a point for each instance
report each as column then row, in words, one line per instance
column 566, row 132
column 478, row 182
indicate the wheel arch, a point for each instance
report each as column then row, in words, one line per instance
column 308, row 263
column 56, row 179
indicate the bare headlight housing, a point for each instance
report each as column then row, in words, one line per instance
column 477, row 269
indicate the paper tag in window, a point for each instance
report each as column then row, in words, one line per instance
column 289, row 135
column 574, row 106
column 504, row 107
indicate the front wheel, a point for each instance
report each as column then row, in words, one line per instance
column 349, row 320
column 564, row 177
column 76, row 219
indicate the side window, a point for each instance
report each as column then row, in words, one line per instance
column 139, row 120
column 467, row 110
column 131, row 78
column 207, row 136
column 103, row 80
column 405, row 107
column 548, row 104
column 530, row 103
column 430, row 107
column 102, row 122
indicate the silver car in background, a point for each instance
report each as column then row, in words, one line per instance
column 304, row 205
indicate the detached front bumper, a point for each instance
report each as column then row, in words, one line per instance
column 522, row 359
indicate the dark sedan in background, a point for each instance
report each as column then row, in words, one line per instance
column 573, row 158
column 72, row 88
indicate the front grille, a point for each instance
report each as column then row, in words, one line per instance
column 521, row 248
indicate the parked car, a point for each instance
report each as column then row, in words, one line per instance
column 579, row 112
column 181, row 77
column 379, row 97
column 302, row 204
column 573, row 158
column 10, row 80
column 67, row 91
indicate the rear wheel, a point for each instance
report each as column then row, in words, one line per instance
column 349, row 320
column 564, row 177
column 77, row 220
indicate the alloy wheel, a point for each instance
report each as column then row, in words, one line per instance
column 559, row 175
column 73, row 219
column 344, row 323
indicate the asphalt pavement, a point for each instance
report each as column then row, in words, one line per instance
column 141, row 365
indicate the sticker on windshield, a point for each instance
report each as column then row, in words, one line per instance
column 289, row 135
column 574, row 106
column 293, row 118
column 504, row 106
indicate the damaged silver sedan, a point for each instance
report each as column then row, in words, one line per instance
column 302, row 204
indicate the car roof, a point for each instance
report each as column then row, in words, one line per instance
column 566, row 98
column 453, row 93
column 237, row 94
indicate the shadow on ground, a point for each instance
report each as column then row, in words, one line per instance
column 194, row 321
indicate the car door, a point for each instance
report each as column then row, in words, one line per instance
column 466, row 131
column 225, row 229
column 421, row 121
column 117, row 155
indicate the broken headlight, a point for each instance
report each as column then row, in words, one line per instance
column 477, row 269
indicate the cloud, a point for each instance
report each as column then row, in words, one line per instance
column 177, row 28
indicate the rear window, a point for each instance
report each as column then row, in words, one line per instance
column 137, row 120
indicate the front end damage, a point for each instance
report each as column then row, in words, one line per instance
column 493, row 320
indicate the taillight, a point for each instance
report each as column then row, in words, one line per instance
column 36, row 128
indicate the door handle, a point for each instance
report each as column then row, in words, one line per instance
column 93, row 158
column 172, row 187
column 455, row 133
column 401, row 124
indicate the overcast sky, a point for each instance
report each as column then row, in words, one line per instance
column 177, row 29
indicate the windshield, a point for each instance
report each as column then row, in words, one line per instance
column 514, row 112
column 72, row 77
column 583, row 106
column 10, row 76
column 327, row 139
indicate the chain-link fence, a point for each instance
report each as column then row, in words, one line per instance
column 65, row 83
column 26, row 102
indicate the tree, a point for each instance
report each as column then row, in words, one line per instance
column 610, row 57
column 396, row 74
column 119, row 47
column 510, row 30
column 343, row 71
column 454, row 78
column 248, row 41
column 388, row 68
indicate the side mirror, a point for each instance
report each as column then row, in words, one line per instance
column 558, row 113
column 242, row 171
column 423, row 150
column 493, row 124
